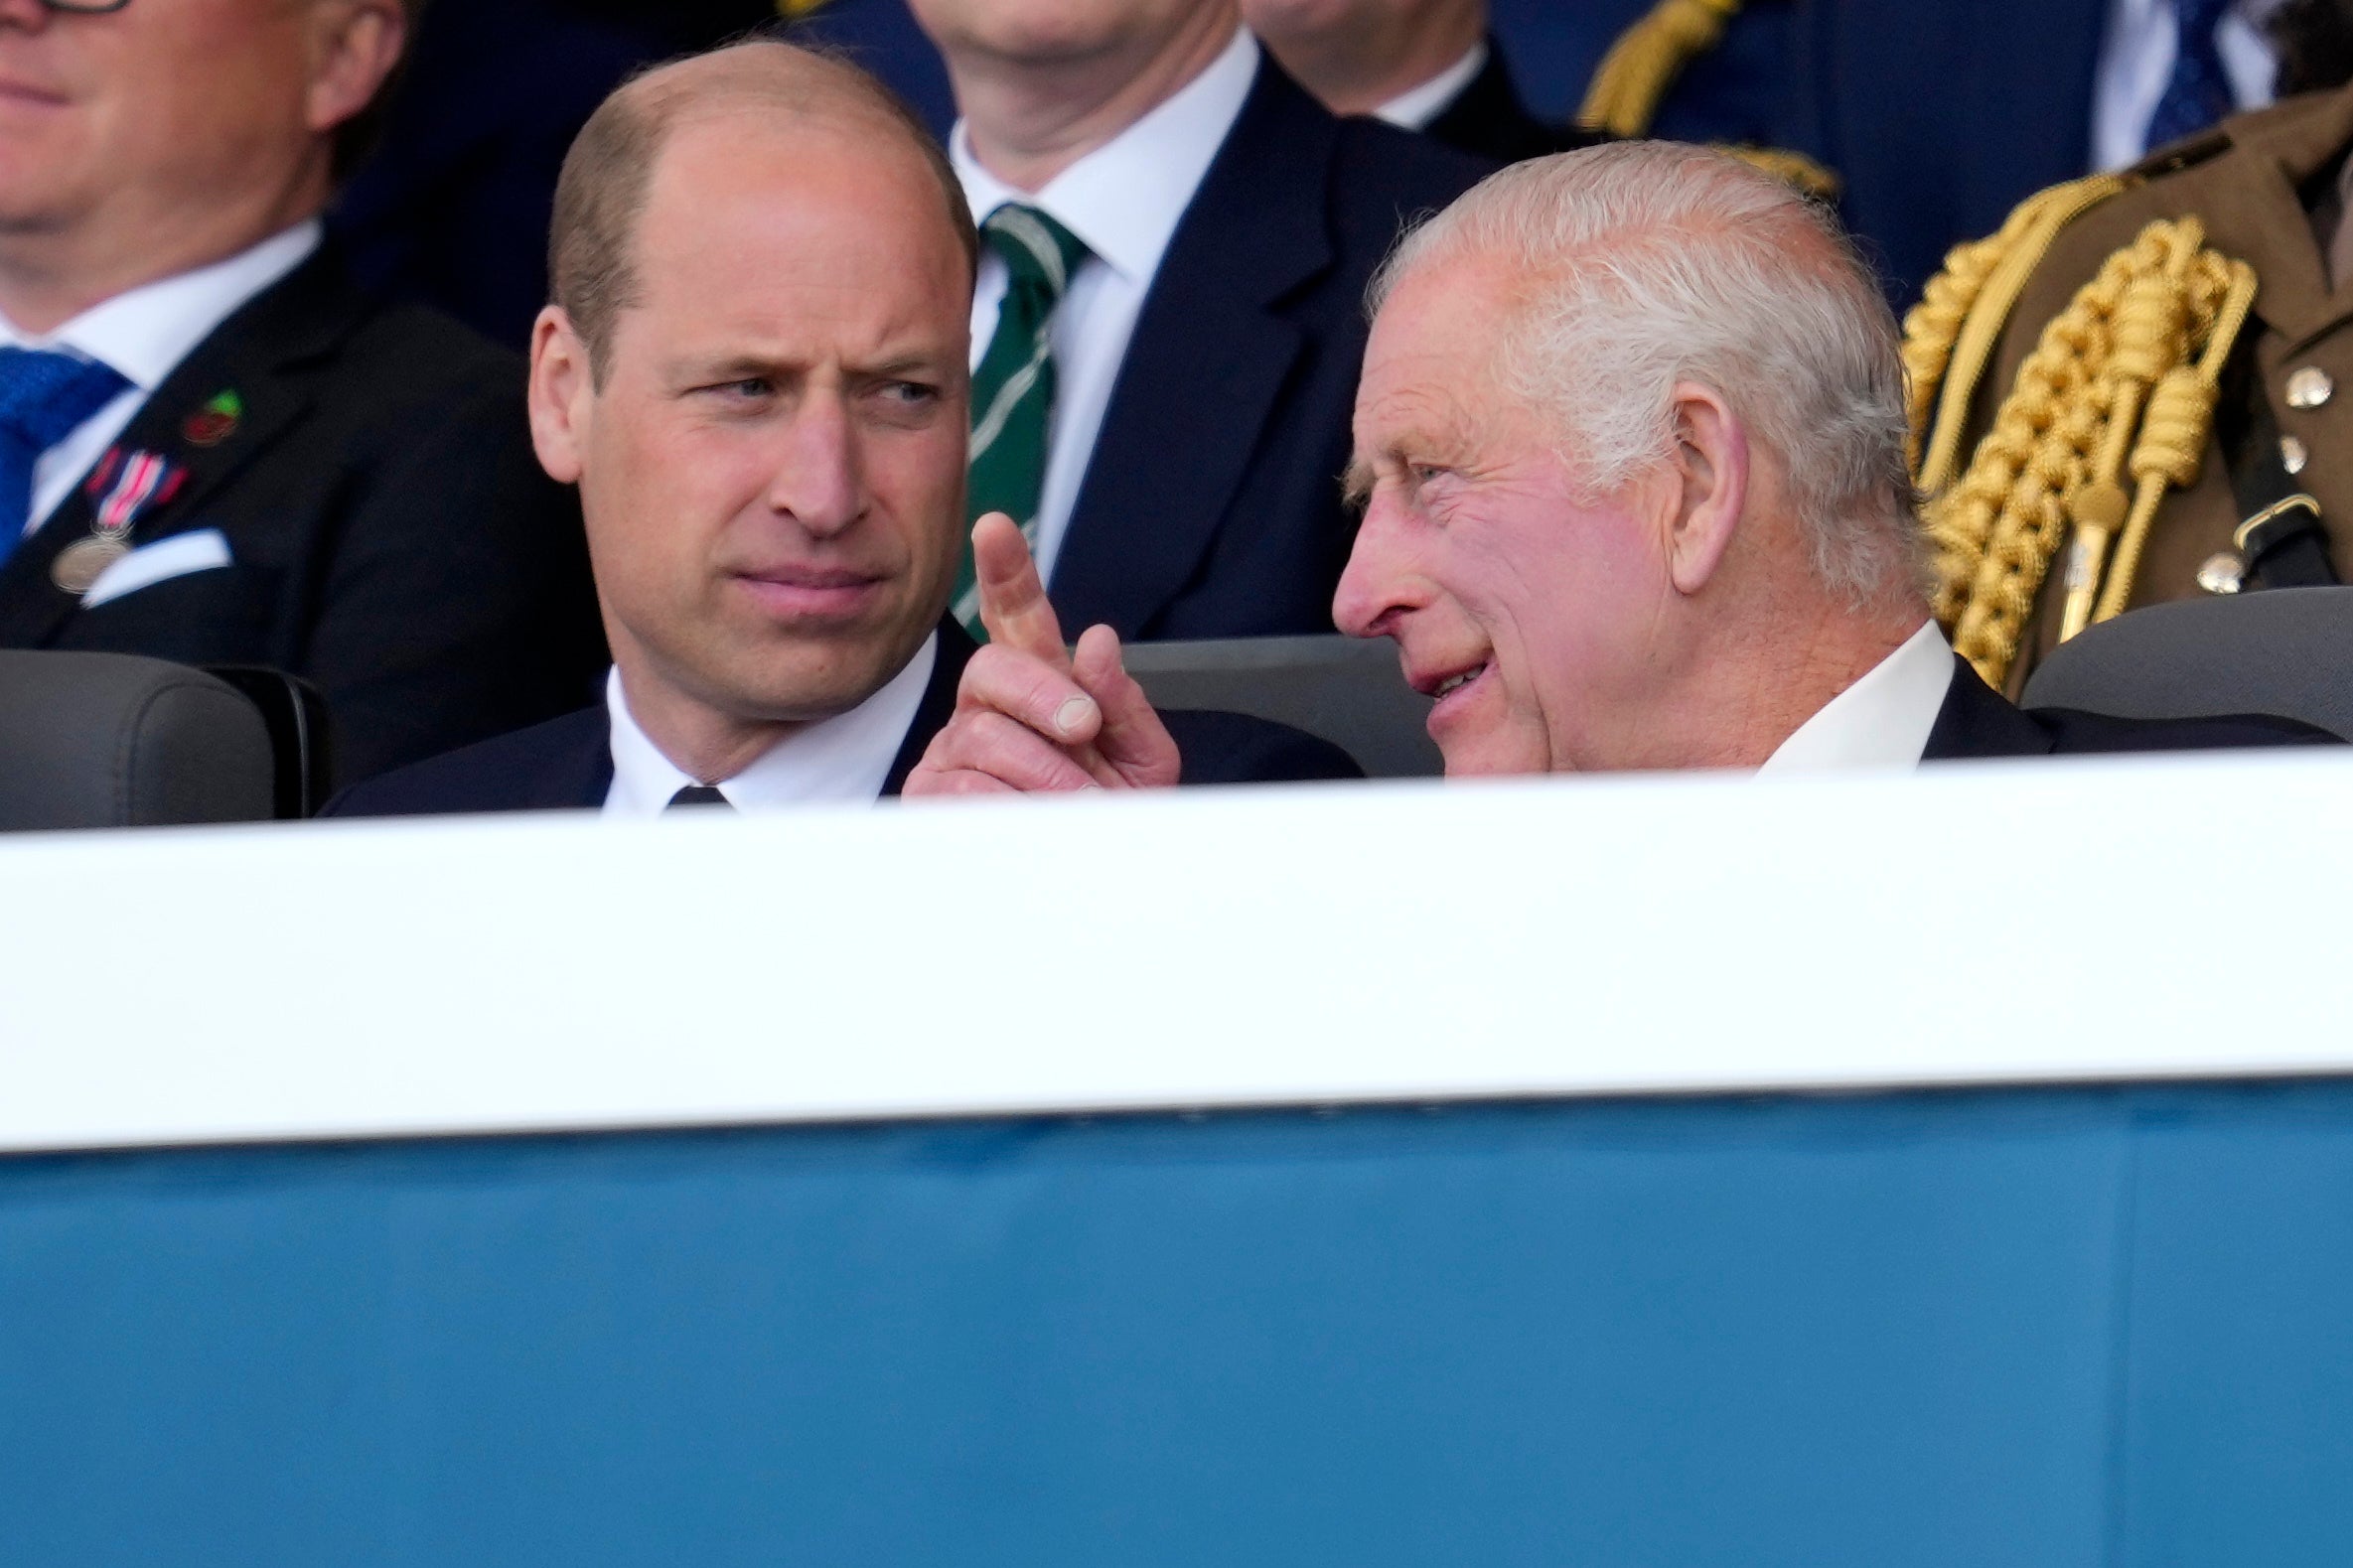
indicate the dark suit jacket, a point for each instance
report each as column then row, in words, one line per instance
column 452, row 206
column 394, row 540
column 1977, row 721
column 568, row 762
column 1211, row 506
column 1487, row 119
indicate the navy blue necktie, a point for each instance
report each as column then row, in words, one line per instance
column 43, row 398
column 2199, row 93
column 690, row 796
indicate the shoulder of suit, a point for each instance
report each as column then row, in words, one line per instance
column 421, row 339
column 1239, row 748
column 501, row 773
column 1384, row 169
column 2078, row 732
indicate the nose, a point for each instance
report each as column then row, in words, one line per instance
column 1376, row 587
column 820, row 479
column 26, row 16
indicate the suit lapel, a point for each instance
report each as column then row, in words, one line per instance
column 578, row 770
column 938, row 707
column 249, row 356
column 1976, row 720
column 1206, row 361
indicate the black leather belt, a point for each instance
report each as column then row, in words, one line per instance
column 2284, row 540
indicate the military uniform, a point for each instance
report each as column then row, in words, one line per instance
column 2265, row 188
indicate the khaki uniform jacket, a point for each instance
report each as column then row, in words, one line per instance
column 2251, row 183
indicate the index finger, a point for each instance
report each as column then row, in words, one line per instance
column 1013, row 603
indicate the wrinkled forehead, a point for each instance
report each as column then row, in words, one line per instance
column 1440, row 333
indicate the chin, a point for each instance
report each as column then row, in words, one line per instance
column 1491, row 757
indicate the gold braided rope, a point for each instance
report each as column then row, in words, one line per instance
column 1790, row 168
column 1950, row 335
column 1645, row 61
column 2122, row 381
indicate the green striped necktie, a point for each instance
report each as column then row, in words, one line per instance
column 1014, row 389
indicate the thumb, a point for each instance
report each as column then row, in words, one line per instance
column 1133, row 740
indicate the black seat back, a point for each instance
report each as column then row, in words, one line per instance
column 299, row 735
column 112, row 740
column 1346, row 690
column 2285, row 652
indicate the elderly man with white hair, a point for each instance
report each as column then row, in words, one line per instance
column 1630, row 448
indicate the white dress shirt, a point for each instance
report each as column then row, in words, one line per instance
column 143, row 335
column 845, row 757
column 1124, row 199
column 1883, row 720
column 2137, row 61
column 1416, row 107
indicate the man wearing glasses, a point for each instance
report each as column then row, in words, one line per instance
column 213, row 448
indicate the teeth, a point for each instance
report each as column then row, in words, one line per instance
column 1463, row 680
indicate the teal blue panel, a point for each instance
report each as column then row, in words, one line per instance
column 1776, row 1331
column 2239, row 1442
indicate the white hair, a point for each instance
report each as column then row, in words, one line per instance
column 1648, row 263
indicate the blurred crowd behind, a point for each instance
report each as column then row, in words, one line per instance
column 263, row 335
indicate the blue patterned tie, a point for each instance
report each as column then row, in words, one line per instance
column 2199, row 93
column 42, row 396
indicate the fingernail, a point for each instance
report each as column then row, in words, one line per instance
column 1073, row 714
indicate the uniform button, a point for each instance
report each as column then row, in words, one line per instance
column 2293, row 455
column 2222, row 572
column 2309, row 386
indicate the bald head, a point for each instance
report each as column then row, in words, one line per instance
column 609, row 171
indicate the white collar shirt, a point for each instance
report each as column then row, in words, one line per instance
column 1416, row 107
column 842, row 759
column 143, row 334
column 2136, row 55
column 1125, row 200
column 1883, row 720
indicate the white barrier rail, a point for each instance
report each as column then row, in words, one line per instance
column 1409, row 942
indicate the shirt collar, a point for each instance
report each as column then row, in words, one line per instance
column 845, row 757
column 1416, row 107
column 1125, row 198
column 144, row 333
column 1884, row 719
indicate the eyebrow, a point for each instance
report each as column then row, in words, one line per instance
column 916, row 361
column 748, row 365
column 1356, row 485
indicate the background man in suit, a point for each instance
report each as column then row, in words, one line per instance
column 212, row 448
column 1428, row 66
column 1631, row 448
column 452, row 205
column 1169, row 315
column 755, row 371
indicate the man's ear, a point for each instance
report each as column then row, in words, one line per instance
column 1711, row 461
column 562, row 395
column 355, row 43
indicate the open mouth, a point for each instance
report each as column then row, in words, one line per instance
column 1439, row 682
column 1457, row 683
